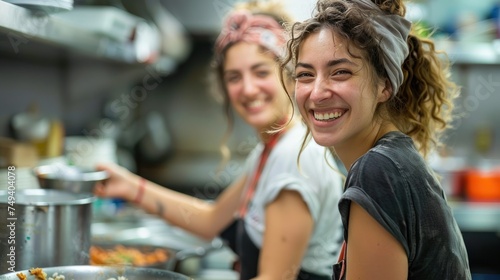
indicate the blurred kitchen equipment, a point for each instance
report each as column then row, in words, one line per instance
column 87, row 151
column 54, row 146
column 484, row 139
column 108, row 21
column 16, row 153
column 149, row 137
column 451, row 172
column 46, row 134
column 116, row 25
column 68, row 178
column 24, row 178
column 483, row 184
column 31, row 126
column 86, row 272
column 471, row 29
column 47, row 6
column 51, row 228
column 175, row 44
column 156, row 143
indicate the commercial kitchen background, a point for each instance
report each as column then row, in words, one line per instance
column 159, row 115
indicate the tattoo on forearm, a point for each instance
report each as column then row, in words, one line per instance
column 160, row 209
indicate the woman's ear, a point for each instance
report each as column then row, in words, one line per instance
column 386, row 92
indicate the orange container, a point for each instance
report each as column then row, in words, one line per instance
column 483, row 185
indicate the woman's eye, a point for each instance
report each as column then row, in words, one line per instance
column 341, row 72
column 302, row 75
column 262, row 74
column 231, row 79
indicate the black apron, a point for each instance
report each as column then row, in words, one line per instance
column 248, row 253
column 340, row 267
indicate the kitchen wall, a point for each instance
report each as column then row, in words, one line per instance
column 478, row 110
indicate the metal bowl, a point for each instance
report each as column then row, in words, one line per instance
column 68, row 178
column 86, row 272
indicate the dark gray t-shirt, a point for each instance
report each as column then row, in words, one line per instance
column 395, row 186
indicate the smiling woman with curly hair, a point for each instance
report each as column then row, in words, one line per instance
column 380, row 97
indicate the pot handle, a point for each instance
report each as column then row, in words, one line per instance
column 200, row 251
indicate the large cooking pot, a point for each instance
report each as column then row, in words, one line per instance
column 43, row 228
column 86, row 272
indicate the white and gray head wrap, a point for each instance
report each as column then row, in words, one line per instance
column 394, row 30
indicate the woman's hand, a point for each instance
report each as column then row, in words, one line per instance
column 120, row 184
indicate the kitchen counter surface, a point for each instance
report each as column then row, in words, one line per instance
column 477, row 216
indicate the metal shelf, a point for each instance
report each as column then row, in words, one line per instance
column 22, row 25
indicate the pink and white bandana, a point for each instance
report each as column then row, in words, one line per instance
column 259, row 29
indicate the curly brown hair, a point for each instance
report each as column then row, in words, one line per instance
column 423, row 105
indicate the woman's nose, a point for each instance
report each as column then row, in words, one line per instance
column 249, row 86
column 320, row 90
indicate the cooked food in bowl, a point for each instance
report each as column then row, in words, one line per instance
column 94, row 272
column 39, row 274
column 146, row 256
column 69, row 178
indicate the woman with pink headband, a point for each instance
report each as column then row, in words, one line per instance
column 280, row 216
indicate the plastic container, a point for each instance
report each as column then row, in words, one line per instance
column 483, row 185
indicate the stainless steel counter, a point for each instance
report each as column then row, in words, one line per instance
column 477, row 216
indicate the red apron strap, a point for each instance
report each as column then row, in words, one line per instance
column 342, row 259
column 256, row 176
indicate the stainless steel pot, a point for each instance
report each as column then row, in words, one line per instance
column 86, row 272
column 46, row 228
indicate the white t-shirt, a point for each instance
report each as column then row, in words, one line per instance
column 319, row 185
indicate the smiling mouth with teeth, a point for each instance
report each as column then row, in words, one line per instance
column 255, row 104
column 327, row 116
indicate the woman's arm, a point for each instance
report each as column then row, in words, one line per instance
column 192, row 214
column 372, row 252
column 289, row 226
